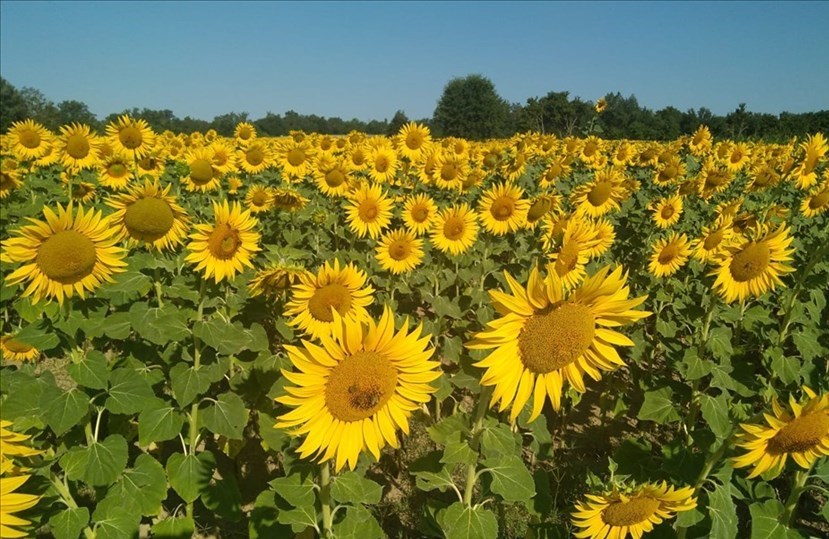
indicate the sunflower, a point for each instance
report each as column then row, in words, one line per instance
column 148, row 214
column 714, row 179
column 76, row 146
column 69, row 253
column 455, row 229
column 558, row 167
column 546, row 337
column 276, row 279
column 288, row 199
column 233, row 184
column 635, row 511
column 29, row 140
column 399, row 251
column 502, row 209
column 413, row 139
column 802, row 434
column 815, row 203
column 591, row 149
column 254, row 157
column 623, row 154
column 223, row 157
column 701, row 140
column 14, row 350
column 295, row 158
column 132, row 136
column 223, row 248
column 83, row 192
column 669, row 254
column 115, row 170
column 10, row 446
column 601, row 105
column 12, row 502
column 738, row 157
column 600, row 196
column 332, row 175
column 244, row 132
column 354, row 392
column 418, row 213
column 539, row 207
column 666, row 211
column 203, row 175
column 369, row 211
column 450, row 170
column 9, row 181
column 813, row 150
column 358, row 157
column 314, row 297
column 713, row 240
column 259, row 198
column 382, row 164
column 754, row 266
column 573, row 253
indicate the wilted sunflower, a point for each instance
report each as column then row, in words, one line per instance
column 502, row 210
column 12, row 502
column 259, row 198
column 617, row 514
column 802, row 434
column 69, row 253
column 354, row 392
column 132, row 136
column 600, row 196
column 369, row 211
column 288, row 199
column 276, row 279
column 14, row 350
column 666, row 211
column 148, row 214
column 223, row 248
column 203, row 175
column 399, row 251
column 754, row 266
column 29, row 140
column 713, row 240
column 76, row 146
column 413, row 139
column 418, row 213
column 332, row 288
column 669, row 254
column 546, row 337
column 455, row 229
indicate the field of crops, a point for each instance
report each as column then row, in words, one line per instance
column 407, row 336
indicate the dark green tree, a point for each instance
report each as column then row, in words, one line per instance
column 471, row 108
column 71, row 110
column 13, row 106
column 399, row 120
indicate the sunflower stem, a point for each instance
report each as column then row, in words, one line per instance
column 66, row 496
column 474, row 441
column 787, row 314
column 194, row 409
column 710, row 463
column 325, row 500
column 798, row 487
column 157, row 284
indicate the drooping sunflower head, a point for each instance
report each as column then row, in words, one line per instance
column 9, row 181
column 455, row 229
column 361, row 385
column 669, row 254
column 817, row 202
column 700, row 142
column 72, row 252
column 547, row 336
column 539, row 207
column 275, row 280
column 13, row 350
column 332, row 288
column 288, row 199
column 502, row 209
column 601, row 105
column 369, row 211
column 147, row 214
column 131, row 136
column 399, row 251
column 802, row 433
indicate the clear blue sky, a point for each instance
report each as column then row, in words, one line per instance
column 366, row 60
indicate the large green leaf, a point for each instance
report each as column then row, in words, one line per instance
column 224, row 498
column 142, row 488
column 497, row 439
column 765, row 521
column 352, row 487
column 128, row 393
column 462, row 522
column 188, row 383
column 715, row 412
column 358, row 522
column 659, row 406
column 297, row 489
column 299, row 518
column 227, row 416
column 64, row 411
column 174, row 528
column 39, row 334
column 723, row 513
column 104, row 461
column 68, row 523
column 91, row 371
column 190, row 474
column 430, row 473
column 719, row 342
column 511, row 479
column 159, row 422
column 128, row 286
column 458, row 451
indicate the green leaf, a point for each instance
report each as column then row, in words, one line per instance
column 686, row 519
column 352, row 487
column 174, row 528
column 462, row 522
column 358, row 522
column 272, row 438
column 104, row 461
column 39, row 334
column 296, row 489
column 117, row 326
column 119, row 523
column 188, row 383
column 430, row 473
column 715, row 412
column 159, row 326
column 723, row 513
column 445, row 307
column 659, row 406
column 73, row 463
column 64, row 411
column 224, row 498
column 719, row 342
column 511, row 479
column 299, row 518
column 458, row 451
column 786, row 368
column 694, row 367
column 142, row 488
column 128, row 393
column 497, row 439
column 807, row 343
column 69, row 523
column 765, row 521
column 159, row 422
column 91, row 371
column 227, row 416
column 128, row 286
column 190, row 474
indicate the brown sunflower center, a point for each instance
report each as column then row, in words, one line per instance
column 117, row 170
column 590, row 149
column 600, row 193
column 331, row 295
column 224, row 241
column 801, row 434
column 201, row 171
column 29, row 138
column 713, row 240
column 420, row 214
column 453, row 228
column 334, row 178
column 414, row 140
column 400, row 249
column 538, row 209
column 255, row 156
column 668, row 253
column 368, row 210
column 631, row 512
column 667, row 211
column 149, row 219
column 669, row 172
column 130, row 137
column 502, row 208
column 77, row 146
column 448, row 172
column 296, row 157
column 382, row 163
column 359, row 386
column 555, row 337
column 259, row 198
column 568, row 258
column 16, row 347
column 245, row 133
column 67, row 257
column 750, row 262
column 819, row 200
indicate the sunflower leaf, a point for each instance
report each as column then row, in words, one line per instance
column 719, row 342
column 69, row 523
column 226, row 416
column 723, row 513
column 187, row 383
column 159, row 422
column 64, row 411
column 358, row 522
column 715, row 413
column 142, row 488
column 430, row 473
column 91, row 371
column 104, row 461
column 659, row 406
column 765, row 521
column 174, row 528
column 299, row 518
column 297, row 489
column 352, row 487
column 190, row 474
column 511, row 479
column 128, row 393
column 462, row 522
column 39, row 335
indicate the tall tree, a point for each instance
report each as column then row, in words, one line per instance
column 13, row 106
column 399, row 120
column 471, row 108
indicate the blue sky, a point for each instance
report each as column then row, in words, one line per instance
column 366, row 60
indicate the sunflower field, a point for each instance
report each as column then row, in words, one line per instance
column 407, row 336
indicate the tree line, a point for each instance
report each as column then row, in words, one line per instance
column 469, row 107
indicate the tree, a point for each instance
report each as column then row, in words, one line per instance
column 471, row 108
column 76, row 111
column 399, row 120
column 13, row 106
